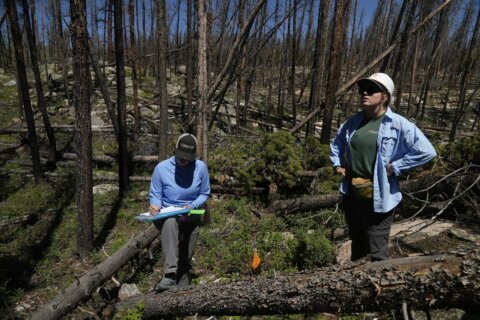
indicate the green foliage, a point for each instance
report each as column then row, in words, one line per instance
column 462, row 152
column 315, row 154
column 134, row 313
column 272, row 159
column 314, row 250
column 30, row 199
column 229, row 241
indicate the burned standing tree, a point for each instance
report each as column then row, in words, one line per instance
column 334, row 70
column 83, row 136
column 32, row 42
column 461, row 107
column 133, row 59
column 121, row 99
column 162, row 36
column 11, row 9
column 202, row 102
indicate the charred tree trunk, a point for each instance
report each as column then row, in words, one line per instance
column 316, row 91
column 190, row 63
column 86, row 285
column 83, row 136
column 163, row 151
column 202, row 102
column 133, row 58
column 10, row 6
column 461, row 107
column 32, row 42
column 334, row 70
column 121, row 99
column 443, row 281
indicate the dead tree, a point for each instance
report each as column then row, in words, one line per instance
column 121, row 99
column 461, row 107
column 83, row 287
column 375, row 61
column 441, row 281
column 162, row 79
column 316, row 90
column 133, row 58
column 334, row 70
column 11, row 9
column 32, row 42
column 202, row 102
column 83, row 136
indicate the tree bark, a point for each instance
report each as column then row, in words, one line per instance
column 32, row 42
column 334, row 70
column 86, row 285
column 83, row 136
column 133, row 58
column 10, row 6
column 318, row 71
column 462, row 106
column 202, row 102
column 121, row 99
column 162, row 34
column 443, row 281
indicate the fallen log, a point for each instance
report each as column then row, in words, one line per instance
column 86, row 285
column 441, row 281
column 309, row 203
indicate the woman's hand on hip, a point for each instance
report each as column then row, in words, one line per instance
column 341, row 171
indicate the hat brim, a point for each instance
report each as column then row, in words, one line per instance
column 366, row 82
column 184, row 155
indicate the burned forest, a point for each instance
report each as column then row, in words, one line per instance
column 95, row 93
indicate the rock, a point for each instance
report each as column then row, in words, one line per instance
column 10, row 83
column 182, row 69
column 128, row 290
column 97, row 118
column 104, row 188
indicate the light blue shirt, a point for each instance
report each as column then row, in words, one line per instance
column 174, row 185
column 399, row 143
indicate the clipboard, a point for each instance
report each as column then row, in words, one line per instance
column 167, row 212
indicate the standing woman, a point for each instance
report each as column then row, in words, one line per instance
column 371, row 150
column 182, row 181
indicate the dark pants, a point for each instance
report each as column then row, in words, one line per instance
column 178, row 244
column 368, row 230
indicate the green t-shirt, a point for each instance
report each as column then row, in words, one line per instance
column 363, row 147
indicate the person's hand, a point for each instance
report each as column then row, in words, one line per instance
column 154, row 209
column 390, row 170
column 341, row 171
column 187, row 206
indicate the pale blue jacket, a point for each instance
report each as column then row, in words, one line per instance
column 399, row 142
column 173, row 185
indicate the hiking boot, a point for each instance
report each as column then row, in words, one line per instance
column 166, row 283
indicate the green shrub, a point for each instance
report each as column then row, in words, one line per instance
column 272, row 159
column 229, row 241
column 315, row 154
column 461, row 153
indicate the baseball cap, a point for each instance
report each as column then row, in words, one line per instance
column 186, row 147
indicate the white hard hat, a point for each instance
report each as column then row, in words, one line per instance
column 381, row 79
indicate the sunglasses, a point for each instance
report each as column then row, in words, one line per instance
column 369, row 90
